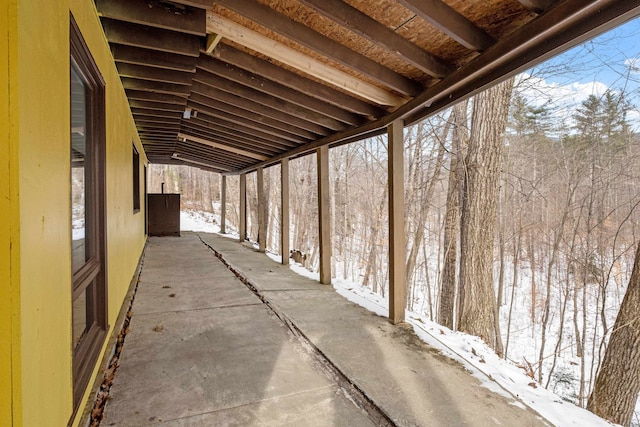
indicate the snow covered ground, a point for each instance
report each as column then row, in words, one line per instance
column 498, row 375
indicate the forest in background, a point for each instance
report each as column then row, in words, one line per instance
column 565, row 200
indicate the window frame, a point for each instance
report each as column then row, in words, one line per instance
column 136, row 180
column 94, row 273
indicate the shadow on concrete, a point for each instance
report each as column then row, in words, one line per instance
column 203, row 350
column 411, row 382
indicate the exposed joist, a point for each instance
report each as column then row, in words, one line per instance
column 325, row 46
column 182, row 158
column 154, row 74
column 155, row 97
column 450, row 22
column 211, row 155
column 151, row 105
column 153, row 58
column 232, row 140
column 304, row 63
column 238, row 133
column 204, row 82
column 162, row 15
column 151, row 38
column 222, row 147
column 238, row 119
column 155, row 87
column 379, row 34
column 202, row 4
column 268, row 87
column 156, row 113
column 229, row 126
column 537, row 6
column 260, row 117
column 301, row 84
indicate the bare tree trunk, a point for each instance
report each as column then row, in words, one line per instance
column 452, row 218
column 479, row 214
column 617, row 385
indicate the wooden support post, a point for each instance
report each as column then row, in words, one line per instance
column 262, row 223
column 223, row 204
column 324, row 223
column 396, row 222
column 243, row 207
column 284, row 210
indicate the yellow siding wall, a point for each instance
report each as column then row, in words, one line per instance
column 43, row 348
column 8, row 212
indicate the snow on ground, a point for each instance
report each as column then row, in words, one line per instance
column 199, row 221
column 498, row 375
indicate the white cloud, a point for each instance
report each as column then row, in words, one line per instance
column 633, row 64
column 561, row 98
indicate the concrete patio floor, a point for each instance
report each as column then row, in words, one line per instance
column 205, row 350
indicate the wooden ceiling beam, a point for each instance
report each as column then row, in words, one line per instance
column 325, row 46
column 156, row 113
column 190, row 162
column 246, row 103
column 223, row 147
column 311, row 66
column 161, row 15
column 150, row 38
column 154, row 74
column 261, row 84
column 151, row 105
column 196, row 130
column 153, row 58
column 141, row 95
column 237, row 133
column 250, row 115
column 450, row 22
column 537, row 6
column 215, row 122
column 244, row 121
column 155, row 87
column 195, row 157
column 158, row 127
column 206, row 130
column 213, row 155
column 205, row 83
column 202, row 4
column 301, row 84
column 379, row 34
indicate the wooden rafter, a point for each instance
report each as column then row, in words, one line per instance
column 450, row 22
column 218, row 96
column 222, row 147
column 187, row 20
column 271, row 88
column 298, row 83
column 356, row 21
column 153, row 58
column 537, row 6
column 206, row 84
column 151, row 38
column 295, row 59
column 247, row 114
column 325, row 46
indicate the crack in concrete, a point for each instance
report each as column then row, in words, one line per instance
column 320, row 360
column 102, row 396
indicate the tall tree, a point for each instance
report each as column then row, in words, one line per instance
column 478, row 216
column 452, row 216
column 617, row 385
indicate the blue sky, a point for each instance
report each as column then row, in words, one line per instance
column 610, row 61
